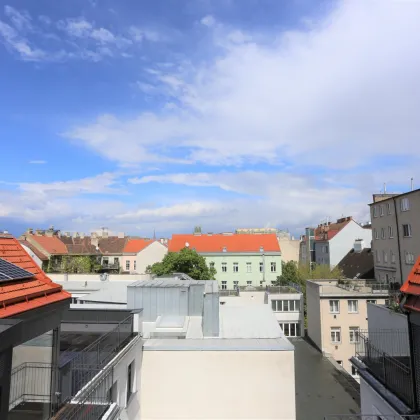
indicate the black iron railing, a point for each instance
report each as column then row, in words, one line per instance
column 92, row 401
column 30, row 382
column 228, row 292
column 386, row 355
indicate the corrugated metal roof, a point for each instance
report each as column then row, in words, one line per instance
column 211, row 286
column 217, row 344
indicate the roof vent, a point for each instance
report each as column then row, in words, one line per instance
column 224, row 249
column 187, row 245
column 261, row 249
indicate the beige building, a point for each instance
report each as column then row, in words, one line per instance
column 337, row 311
column 140, row 253
column 396, row 234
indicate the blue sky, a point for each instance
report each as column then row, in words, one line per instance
column 143, row 115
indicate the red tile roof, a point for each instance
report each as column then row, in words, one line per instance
column 136, row 245
column 34, row 249
column 51, row 244
column 411, row 287
column 24, row 295
column 232, row 243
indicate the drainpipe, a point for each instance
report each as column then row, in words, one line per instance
column 412, row 364
column 398, row 238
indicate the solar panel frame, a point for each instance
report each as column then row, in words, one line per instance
column 10, row 271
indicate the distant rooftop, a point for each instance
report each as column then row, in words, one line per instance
column 329, row 288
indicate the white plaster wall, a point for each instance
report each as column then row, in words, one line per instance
column 32, row 255
column 289, row 249
column 153, row 253
column 372, row 404
column 313, row 309
column 96, row 278
column 218, row 385
column 341, row 244
column 244, row 299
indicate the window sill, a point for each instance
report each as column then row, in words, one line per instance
column 353, row 313
column 335, row 313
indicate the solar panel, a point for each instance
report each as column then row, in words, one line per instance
column 9, row 271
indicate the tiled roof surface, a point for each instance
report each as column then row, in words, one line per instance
column 34, row 249
column 112, row 245
column 136, row 245
column 79, row 246
column 333, row 229
column 358, row 264
column 24, row 295
column 411, row 287
column 232, row 243
column 51, row 244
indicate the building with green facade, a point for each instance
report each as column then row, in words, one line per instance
column 240, row 260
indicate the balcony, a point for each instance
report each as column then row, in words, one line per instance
column 110, row 267
column 387, row 356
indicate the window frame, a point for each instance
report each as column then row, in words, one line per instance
column 235, row 267
column 273, row 267
column 388, row 208
column 409, row 231
column 375, row 211
column 385, row 256
column 134, row 265
column 224, row 285
column 381, row 210
column 235, row 284
column 331, row 306
column 376, row 233
column 356, row 306
column 336, row 331
column 355, row 332
column 404, row 204
column 390, row 232
column 127, row 265
column 224, row 267
column 249, row 267
column 130, row 382
column 261, row 267
column 249, row 282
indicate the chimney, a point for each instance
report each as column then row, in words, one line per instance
column 121, row 235
column 29, row 231
column 82, row 235
column 75, row 234
column 104, row 232
column 94, row 239
column 39, row 232
column 359, row 245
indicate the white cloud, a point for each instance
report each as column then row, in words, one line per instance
column 141, row 34
column 44, row 19
column 103, row 35
column 20, row 19
column 345, row 86
column 76, row 27
column 37, row 162
column 208, row 21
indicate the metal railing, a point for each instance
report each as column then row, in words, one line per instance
column 386, row 355
column 229, row 292
column 282, row 290
column 30, row 382
column 114, row 266
column 372, row 417
column 350, row 287
column 86, row 363
column 92, row 402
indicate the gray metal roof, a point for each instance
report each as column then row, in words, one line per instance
column 113, row 293
column 89, row 286
column 217, row 344
column 211, row 286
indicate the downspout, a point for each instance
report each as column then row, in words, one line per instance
column 398, row 239
column 412, row 364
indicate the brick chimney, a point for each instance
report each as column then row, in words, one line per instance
column 94, row 240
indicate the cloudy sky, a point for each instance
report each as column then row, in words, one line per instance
column 165, row 114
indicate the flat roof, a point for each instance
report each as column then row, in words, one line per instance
column 111, row 293
column 354, row 288
column 392, row 196
column 210, row 286
column 217, row 344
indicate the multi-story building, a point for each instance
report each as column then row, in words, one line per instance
column 334, row 240
column 358, row 263
column 239, row 260
column 387, row 357
column 396, row 234
column 140, row 253
column 337, row 312
column 307, row 247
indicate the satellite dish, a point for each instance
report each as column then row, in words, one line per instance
column 187, row 244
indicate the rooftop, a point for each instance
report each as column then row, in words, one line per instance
column 358, row 264
column 328, row 288
column 136, row 245
column 17, row 296
column 218, row 243
column 384, row 197
column 411, row 288
column 34, row 249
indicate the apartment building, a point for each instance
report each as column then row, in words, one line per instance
column 396, row 234
column 239, row 259
column 337, row 312
column 387, row 356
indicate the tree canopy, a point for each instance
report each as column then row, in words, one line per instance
column 186, row 261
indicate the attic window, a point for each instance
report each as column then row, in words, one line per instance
column 261, row 249
column 224, row 249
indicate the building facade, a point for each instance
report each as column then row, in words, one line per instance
column 239, row 260
column 140, row 253
column 337, row 312
column 396, row 234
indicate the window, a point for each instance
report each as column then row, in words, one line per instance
column 375, row 211
column 285, row 306
column 135, row 265
column 291, row 329
column 274, row 305
column 211, row 264
column 224, row 249
column 354, row 372
column 371, row 301
column 334, row 306
column 376, row 234
column 385, row 257
column 405, row 204
column 353, row 306
column 235, row 267
column 390, row 231
column 335, row 335
column 273, row 267
column 406, row 230
column 381, row 208
column 105, row 261
column 354, row 335
column 224, row 285
column 127, row 265
column 388, row 208
column 224, row 267
column 325, row 249
column 261, row 267
column 249, row 282
column 130, row 380
column 392, row 257
column 235, row 284
column 248, row 267
column 382, row 233
column 409, row 258
column 378, row 256
column 261, row 249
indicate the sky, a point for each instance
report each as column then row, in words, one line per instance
column 160, row 115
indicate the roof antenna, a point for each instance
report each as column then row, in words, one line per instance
column 384, row 187
column 154, row 234
column 412, row 183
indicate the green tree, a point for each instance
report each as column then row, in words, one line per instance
column 290, row 273
column 197, row 229
column 186, row 261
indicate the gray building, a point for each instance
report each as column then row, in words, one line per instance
column 396, row 234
